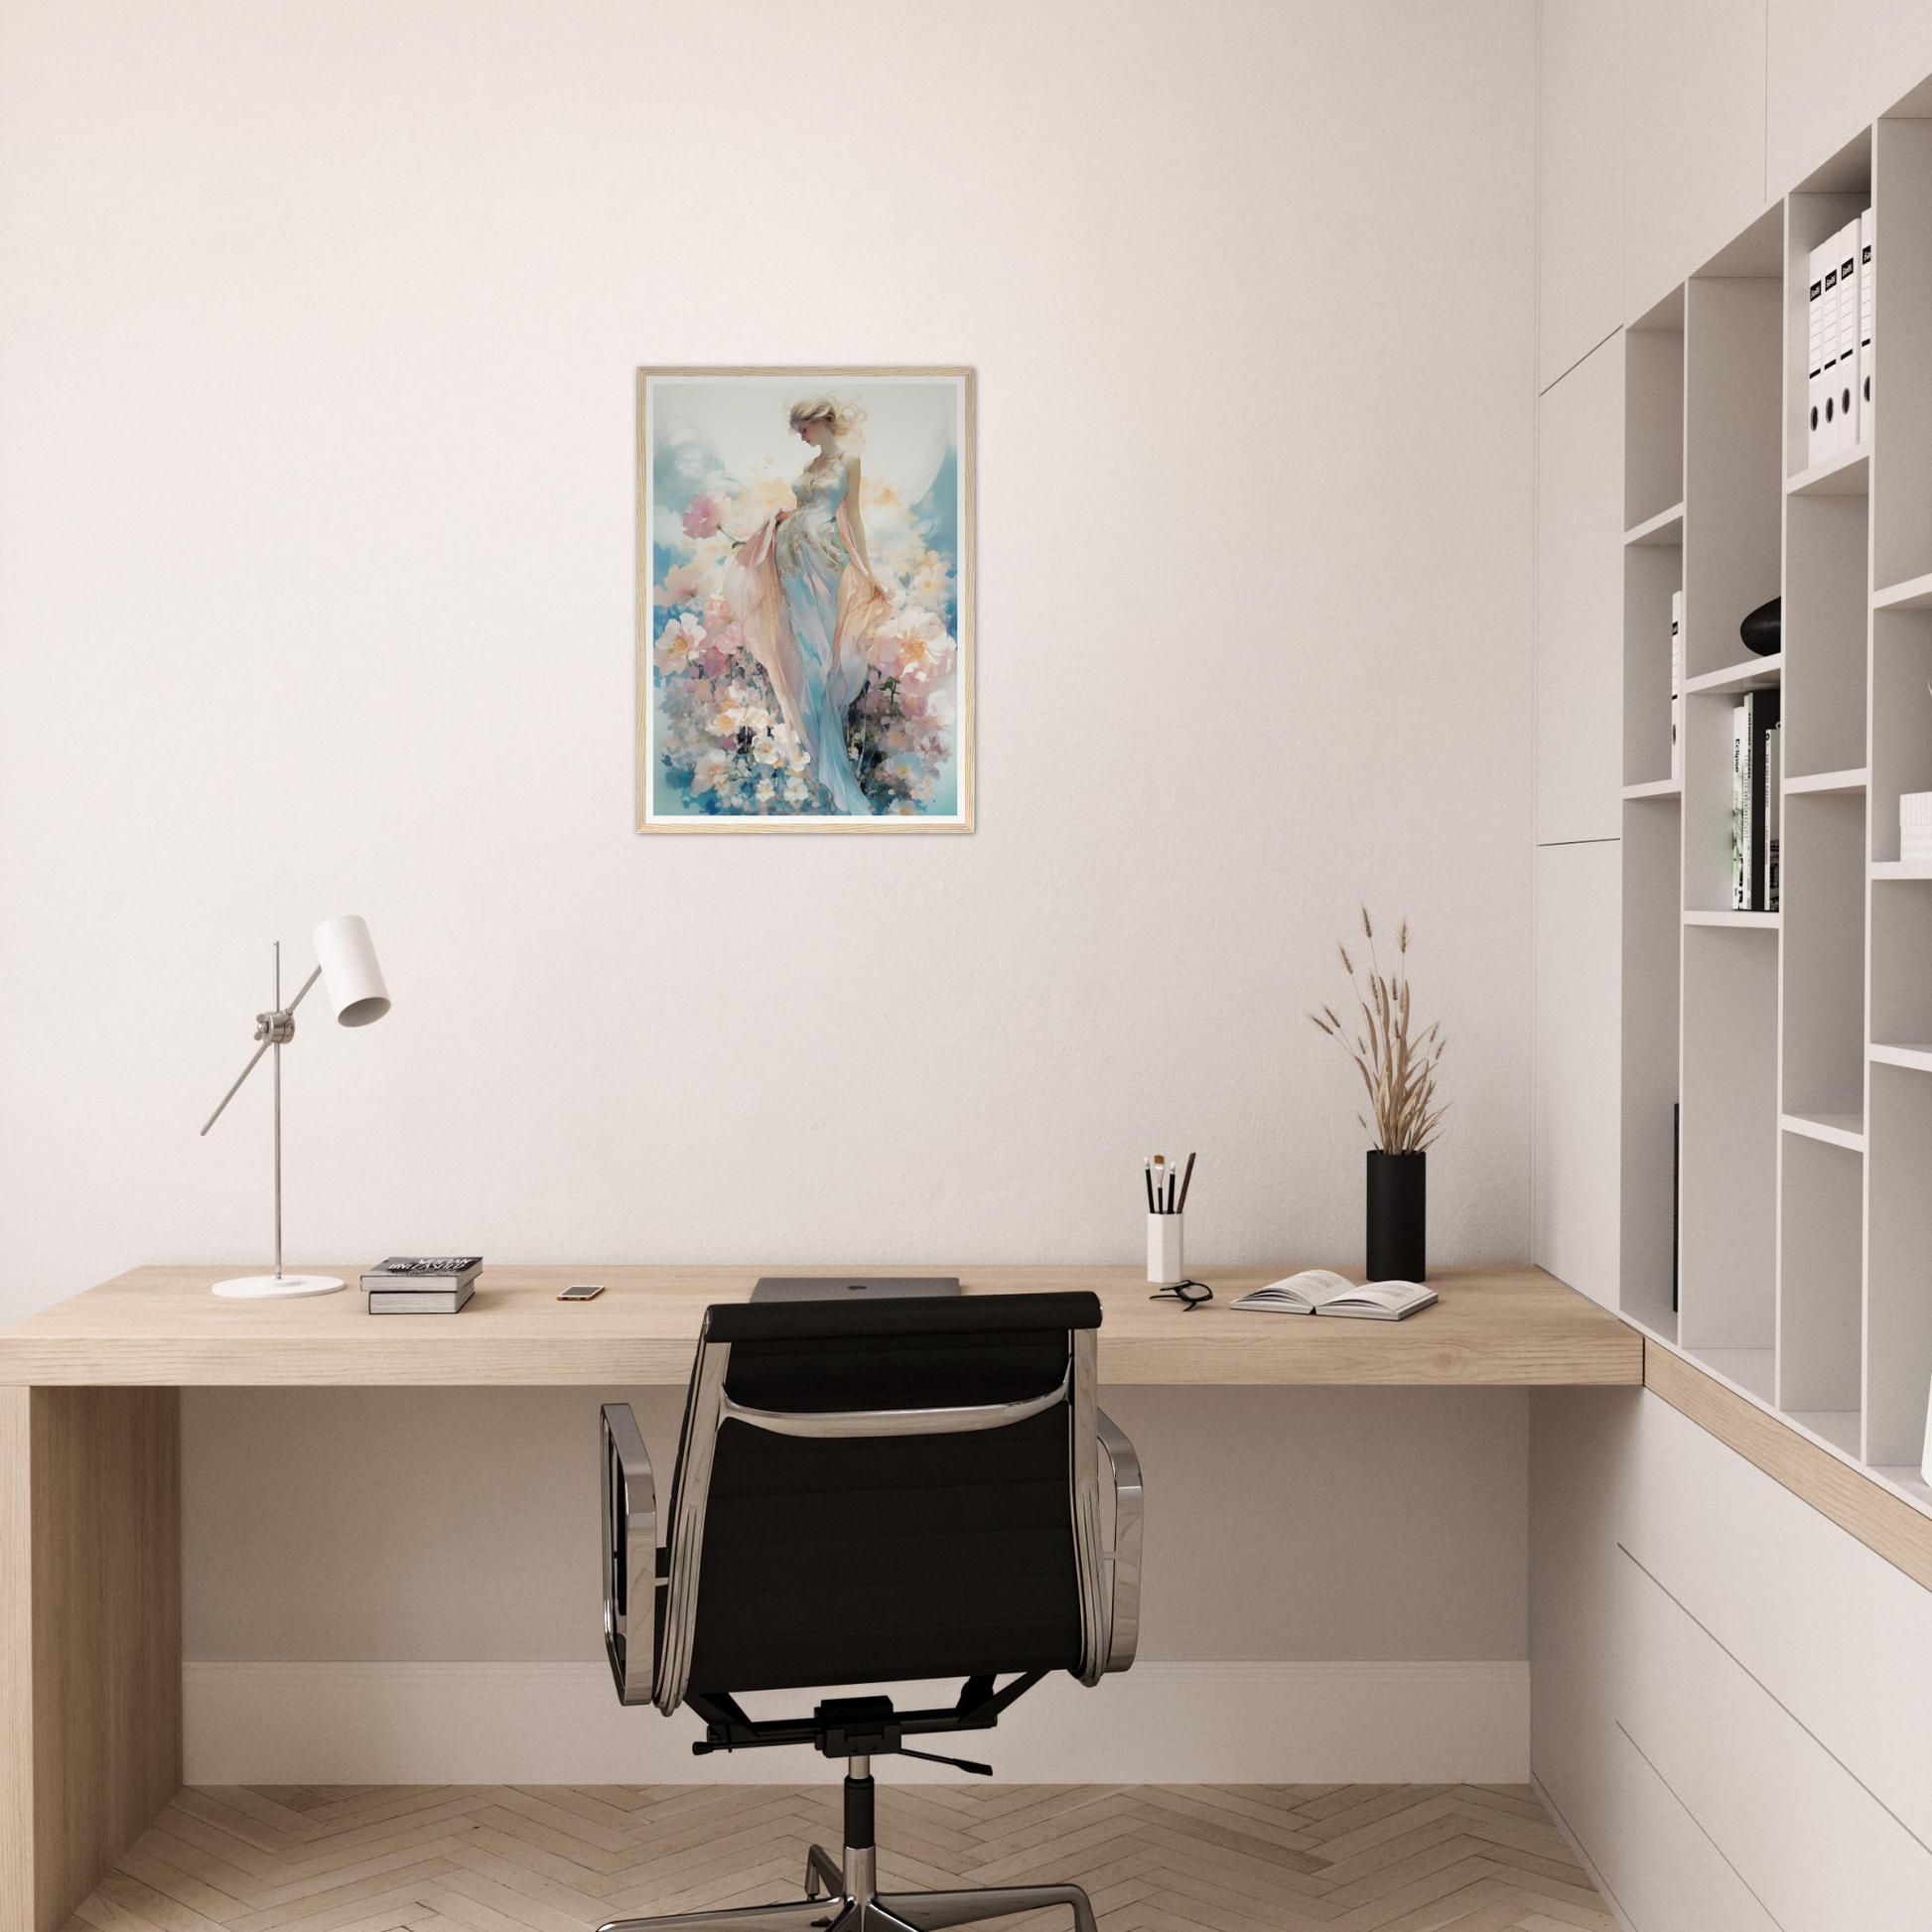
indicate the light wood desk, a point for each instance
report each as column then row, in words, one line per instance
column 90, row 1462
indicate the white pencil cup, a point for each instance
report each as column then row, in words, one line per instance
column 1165, row 1265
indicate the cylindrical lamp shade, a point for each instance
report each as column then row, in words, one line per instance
column 350, row 975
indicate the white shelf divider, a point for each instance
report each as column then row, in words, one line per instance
column 1656, row 788
column 1835, row 1130
column 1917, row 1058
column 1819, row 781
column 1744, row 921
column 1664, row 530
column 1901, row 867
column 1915, row 594
column 1753, row 674
column 1843, row 474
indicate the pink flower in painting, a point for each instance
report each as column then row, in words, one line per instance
column 707, row 511
column 721, row 646
column 912, row 646
column 717, row 613
column 683, row 583
column 681, row 642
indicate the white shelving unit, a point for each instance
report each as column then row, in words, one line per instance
column 1797, row 1043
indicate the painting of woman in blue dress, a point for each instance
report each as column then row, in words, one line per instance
column 805, row 656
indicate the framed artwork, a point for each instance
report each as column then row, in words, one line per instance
column 804, row 599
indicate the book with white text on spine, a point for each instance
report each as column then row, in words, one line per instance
column 1321, row 1291
column 420, row 1273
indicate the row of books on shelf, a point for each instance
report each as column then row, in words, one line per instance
column 1755, row 830
column 1839, row 361
column 1677, row 687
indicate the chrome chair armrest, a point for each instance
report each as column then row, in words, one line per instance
column 1124, row 1559
column 629, row 1555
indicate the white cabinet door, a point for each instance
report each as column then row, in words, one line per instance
column 1579, row 180
column 1579, row 602
column 1692, row 137
column 1833, row 65
column 1574, row 1201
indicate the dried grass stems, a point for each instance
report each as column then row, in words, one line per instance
column 1399, row 1071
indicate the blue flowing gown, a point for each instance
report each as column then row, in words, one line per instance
column 812, row 557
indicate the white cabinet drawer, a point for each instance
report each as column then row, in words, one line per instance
column 1815, row 1847
column 1834, row 1632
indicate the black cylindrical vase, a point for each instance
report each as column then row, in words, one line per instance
column 1398, row 1216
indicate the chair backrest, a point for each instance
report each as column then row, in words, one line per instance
column 884, row 1491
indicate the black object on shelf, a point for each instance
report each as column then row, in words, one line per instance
column 1398, row 1216
column 1763, row 630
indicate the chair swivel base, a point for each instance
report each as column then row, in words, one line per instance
column 849, row 1904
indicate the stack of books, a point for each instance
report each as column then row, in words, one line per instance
column 1755, row 832
column 421, row 1284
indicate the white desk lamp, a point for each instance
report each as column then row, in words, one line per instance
column 352, row 981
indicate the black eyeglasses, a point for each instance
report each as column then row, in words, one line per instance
column 1190, row 1295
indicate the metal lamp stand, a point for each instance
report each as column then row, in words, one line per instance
column 274, row 1028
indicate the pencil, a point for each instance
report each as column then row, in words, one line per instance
column 1148, row 1177
column 1186, row 1180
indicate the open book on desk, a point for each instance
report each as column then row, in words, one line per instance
column 1321, row 1291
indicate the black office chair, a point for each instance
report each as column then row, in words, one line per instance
column 865, row 1494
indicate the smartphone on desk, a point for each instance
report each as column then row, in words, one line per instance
column 582, row 1291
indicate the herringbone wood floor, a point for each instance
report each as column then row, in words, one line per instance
column 562, row 1857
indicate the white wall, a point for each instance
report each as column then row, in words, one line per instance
column 317, row 346
column 316, row 491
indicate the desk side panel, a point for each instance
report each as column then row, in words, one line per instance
column 16, row 1665
column 103, row 1539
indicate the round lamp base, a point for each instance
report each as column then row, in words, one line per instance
column 276, row 1288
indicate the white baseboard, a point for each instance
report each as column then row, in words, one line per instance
column 560, row 1723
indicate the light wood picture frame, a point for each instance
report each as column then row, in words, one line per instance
column 806, row 652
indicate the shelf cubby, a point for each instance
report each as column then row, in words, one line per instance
column 1898, row 1311
column 1730, row 1083
column 1825, row 612
column 1901, row 719
column 1901, row 964
column 1821, row 1285
column 1652, row 572
column 1653, row 434
column 1901, row 401
column 1823, row 921
column 1733, row 480
column 1654, row 941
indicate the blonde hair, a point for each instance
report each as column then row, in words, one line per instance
column 845, row 418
